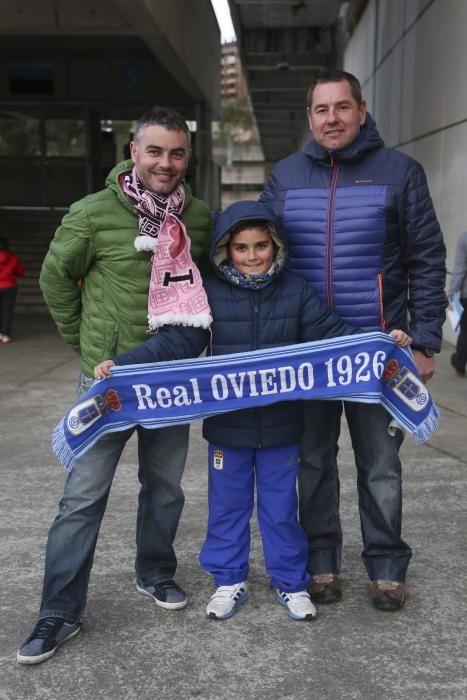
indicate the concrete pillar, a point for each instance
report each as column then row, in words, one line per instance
column 93, row 147
column 203, row 151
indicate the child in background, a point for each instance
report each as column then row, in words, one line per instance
column 11, row 267
column 255, row 304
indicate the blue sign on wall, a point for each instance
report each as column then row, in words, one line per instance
column 132, row 76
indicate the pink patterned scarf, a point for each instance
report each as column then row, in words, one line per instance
column 176, row 293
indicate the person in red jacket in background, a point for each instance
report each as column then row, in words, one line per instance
column 11, row 267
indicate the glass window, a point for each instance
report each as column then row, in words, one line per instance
column 31, row 78
column 19, row 134
column 65, row 137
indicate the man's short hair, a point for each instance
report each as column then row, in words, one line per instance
column 336, row 76
column 162, row 116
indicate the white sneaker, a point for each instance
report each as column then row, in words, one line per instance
column 299, row 605
column 226, row 599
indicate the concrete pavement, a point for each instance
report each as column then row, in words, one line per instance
column 129, row 648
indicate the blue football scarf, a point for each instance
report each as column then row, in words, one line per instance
column 368, row 367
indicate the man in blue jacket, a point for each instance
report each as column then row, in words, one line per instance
column 361, row 228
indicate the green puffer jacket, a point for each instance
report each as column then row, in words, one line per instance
column 106, row 313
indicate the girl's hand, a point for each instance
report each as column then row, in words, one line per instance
column 102, row 370
column 401, row 338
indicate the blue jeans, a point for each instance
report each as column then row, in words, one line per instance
column 231, row 492
column 379, row 484
column 73, row 534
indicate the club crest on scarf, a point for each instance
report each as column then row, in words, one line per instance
column 87, row 412
column 176, row 293
column 406, row 385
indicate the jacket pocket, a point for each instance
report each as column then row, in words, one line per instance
column 110, row 339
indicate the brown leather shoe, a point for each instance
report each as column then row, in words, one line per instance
column 388, row 595
column 325, row 588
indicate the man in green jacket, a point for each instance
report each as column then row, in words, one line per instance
column 95, row 280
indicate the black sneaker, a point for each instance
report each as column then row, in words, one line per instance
column 46, row 637
column 166, row 594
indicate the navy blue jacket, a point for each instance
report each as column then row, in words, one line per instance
column 360, row 227
column 286, row 311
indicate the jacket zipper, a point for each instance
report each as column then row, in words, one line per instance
column 329, row 240
column 114, row 342
column 256, row 347
column 381, row 306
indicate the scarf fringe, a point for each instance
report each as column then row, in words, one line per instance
column 196, row 320
column 61, row 447
column 424, row 431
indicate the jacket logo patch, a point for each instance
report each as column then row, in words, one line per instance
column 363, row 181
column 218, row 459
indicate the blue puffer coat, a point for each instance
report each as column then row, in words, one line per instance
column 284, row 312
column 361, row 228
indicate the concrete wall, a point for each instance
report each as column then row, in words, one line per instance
column 243, row 171
column 411, row 57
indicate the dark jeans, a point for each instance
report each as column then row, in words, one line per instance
column 73, row 534
column 461, row 346
column 385, row 554
column 7, row 306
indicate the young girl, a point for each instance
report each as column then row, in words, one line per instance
column 255, row 304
